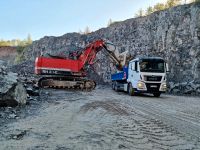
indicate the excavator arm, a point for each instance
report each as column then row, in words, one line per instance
column 89, row 53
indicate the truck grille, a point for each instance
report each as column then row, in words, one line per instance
column 152, row 78
column 153, row 87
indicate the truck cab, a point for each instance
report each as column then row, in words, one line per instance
column 142, row 75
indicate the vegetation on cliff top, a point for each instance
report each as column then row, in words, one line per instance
column 20, row 46
column 162, row 6
column 17, row 42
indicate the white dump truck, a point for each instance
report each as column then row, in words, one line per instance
column 142, row 75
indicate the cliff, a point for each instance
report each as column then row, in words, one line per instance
column 173, row 34
column 8, row 54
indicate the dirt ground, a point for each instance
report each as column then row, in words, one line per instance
column 103, row 119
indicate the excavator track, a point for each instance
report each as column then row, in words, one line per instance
column 67, row 83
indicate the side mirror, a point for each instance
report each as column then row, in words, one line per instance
column 133, row 66
column 136, row 66
column 167, row 68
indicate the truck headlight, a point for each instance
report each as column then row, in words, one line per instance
column 164, row 87
column 141, row 85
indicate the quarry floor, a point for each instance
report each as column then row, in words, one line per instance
column 103, row 119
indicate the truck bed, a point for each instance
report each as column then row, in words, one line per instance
column 123, row 75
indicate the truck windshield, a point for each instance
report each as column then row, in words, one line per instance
column 152, row 65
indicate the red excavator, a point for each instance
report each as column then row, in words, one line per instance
column 61, row 72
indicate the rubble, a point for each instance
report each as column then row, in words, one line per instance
column 190, row 88
column 25, row 68
column 12, row 92
column 32, row 91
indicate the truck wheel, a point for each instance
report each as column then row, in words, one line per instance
column 115, row 87
column 130, row 90
column 156, row 94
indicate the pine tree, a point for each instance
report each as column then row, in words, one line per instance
column 109, row 22
column 171, row 3
column 29, row 39
column 80, row 32
column 140, row 13
column 87, row 30
column 149, row 10
column 159, row 6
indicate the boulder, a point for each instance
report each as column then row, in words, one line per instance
column 12, row 92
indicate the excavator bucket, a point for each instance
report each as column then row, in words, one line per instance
column 115, row 55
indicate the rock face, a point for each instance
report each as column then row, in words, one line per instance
column 8, row 54
column 173, row 34
column 12, row 92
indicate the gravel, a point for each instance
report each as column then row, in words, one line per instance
column 104, row 119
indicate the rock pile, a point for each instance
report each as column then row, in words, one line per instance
column 190, row 88
column 25, row 68
column 12, row 92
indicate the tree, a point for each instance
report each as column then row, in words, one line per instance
column 20, row 49
column 149, row 10
column 80, row 32
column 13, row 43
column 171, row 3
column 190, row 1
column 29, row 39
column 197, row 1
column 87, row 30
column 140, row 13
column 16, row 42
column 3, row 43
column 110, row 22
column 159, row 6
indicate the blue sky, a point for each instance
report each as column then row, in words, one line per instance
column 57, row 17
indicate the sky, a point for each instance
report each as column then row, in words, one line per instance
column 40, row 18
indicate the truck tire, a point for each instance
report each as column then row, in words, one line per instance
column 156, row 94
column 115, row 87
column 131, row 90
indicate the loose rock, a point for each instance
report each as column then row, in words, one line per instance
column 12, row 92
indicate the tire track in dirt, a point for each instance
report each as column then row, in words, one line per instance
column 103, row 119
column 137, row 131
column 167, row 114
column 107, row 105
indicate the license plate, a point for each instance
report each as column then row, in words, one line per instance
column 153, row 79
column 153, row 86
